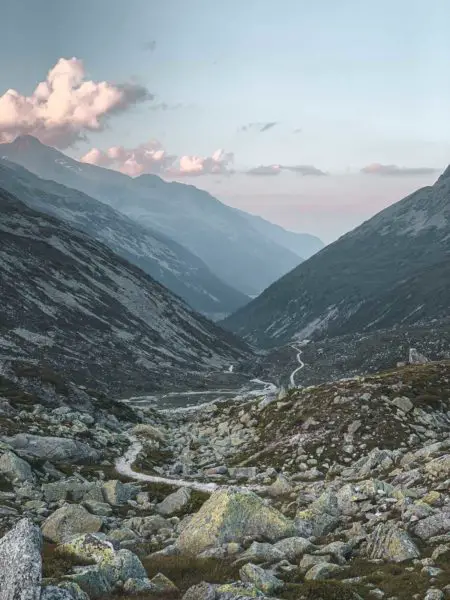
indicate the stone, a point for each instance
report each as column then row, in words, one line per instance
column 68, row 521
column 72, row 488
column 15, row 469
column 116, row 493
column 280, row 487
column 21, row 564
column 243, row 472
column 232, row 516
column 388, row 542
column 260, row 578
column 146, row 526
column 436, row 524
column 434, row 594
column 293, row 548
column 148, row 432
column 175, row 502
column 322, row 571
column 92, row 581
column 52, row 592
column 98, row 508
column 403, row 403
column 88, row 547
column 261, row 552
column 75, row 590
column 57, row 450
column 201, row 591
column 163, row 585
column 311, row 560
column 134, row 587
column 309, row 523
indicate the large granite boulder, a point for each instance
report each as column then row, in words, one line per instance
column 233, row 516
column 15, row 469
column 20, row 563
column 68, row 521
column 388, row 542
column 54, row 449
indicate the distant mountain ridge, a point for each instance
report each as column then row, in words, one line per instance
column 232, row 245
column 162, row 258
column 391, row 270
column 71, row 303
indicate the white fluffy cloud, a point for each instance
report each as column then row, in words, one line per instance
column 152, row 158
column 64, row 107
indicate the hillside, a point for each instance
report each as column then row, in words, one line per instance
column 166, row 261
column 392, row 270
column 236, row 251
column 70, row 303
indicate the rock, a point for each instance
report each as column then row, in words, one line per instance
column 201, row 591
column 280, row 487
column 163, row 585
column 403, row 403
column 124, row 565
column 52, row 592
column 116, row 493
column 261, row 579
column 146, row 526
column 387, row 542
column 415, row 358
column 73, row 488
column 339, row 550
column 311, row 560
column 262, row 553
column 92, row 581
column 148, row 432
column 68, row 521
column 294, row 547
column 175, row 502
column 20, row 560
column 434, row 594
column 134, row 587
column 436, row 524
column 15, row 469
column 439, row 466
column 54, row 449
column 243, row 472
column 232, row 516
column 88, row 547
column 98, row 508
column 323, row 571
column 309, row 523
column 75, row 590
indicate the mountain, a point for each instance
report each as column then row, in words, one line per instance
column 233, row 248
column 302, row 244
column 392, row 270
column 159, row 256
column 70, row 303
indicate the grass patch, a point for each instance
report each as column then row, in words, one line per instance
column 186, row 571
column 319, row 590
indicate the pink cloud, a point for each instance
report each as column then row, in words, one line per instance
column 64, row 107
column 153, row 158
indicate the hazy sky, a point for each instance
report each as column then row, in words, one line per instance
column 287, row 90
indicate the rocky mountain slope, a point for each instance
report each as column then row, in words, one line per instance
column 239, row 249
column 166, row 261
column 71, row 303
column 392, row 270
column 335, row 491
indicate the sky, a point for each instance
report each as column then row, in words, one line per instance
column 313, row 114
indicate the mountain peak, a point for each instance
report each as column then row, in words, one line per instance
column 445, row 174
column 28, row 140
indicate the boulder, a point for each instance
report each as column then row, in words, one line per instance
column 15, row 469
column 175, row 502
column 280, row 487
column 21, row 564
column 294, row 547
column 68, row 521
column 388, row 542
column 135, row 587
column 163, row 585
column 201, row 591
column 260, row 578
column 233, row 516
column 116, row 493
column 57, row 450
column 436, row 524
column 323, row 571
column 51, row 592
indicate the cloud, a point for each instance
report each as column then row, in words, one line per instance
column 265, row 170
column 377, row 169
column 65, row 107
column 153, row 158
column 277, row 169
column 259, row 127
column 150, row 46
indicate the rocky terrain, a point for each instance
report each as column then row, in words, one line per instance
column 170, row 264
column 339, row 490
column 391, row 271
column 70, row 303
